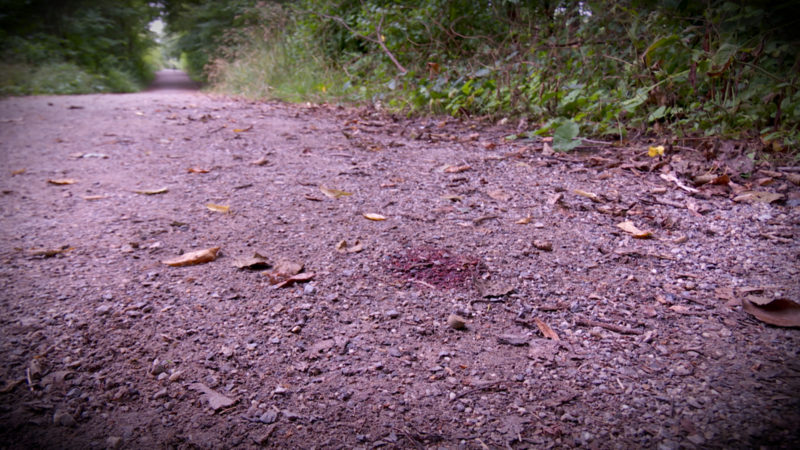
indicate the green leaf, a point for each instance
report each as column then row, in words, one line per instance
column 564, row 136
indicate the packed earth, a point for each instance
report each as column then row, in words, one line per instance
column 185, row 270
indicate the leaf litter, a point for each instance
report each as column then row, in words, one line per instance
column 657, row 325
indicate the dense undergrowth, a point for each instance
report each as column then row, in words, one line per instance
column 75, row 46
column 614, row 69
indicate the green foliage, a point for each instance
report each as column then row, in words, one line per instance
column 75, row 46
column 603, row 68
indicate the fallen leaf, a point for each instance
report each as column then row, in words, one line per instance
column 333, row 193
column 299, row 278
column 375, row 217
column 342, row 247
column 524, row 221
column 215, row 399
column 196, row 257
column 254, row 262
column 260, row 161
column 453, row 198
column 152, row 191
column 241, row 130
column 62, row 181
column 590, row 195
column 196, row 170
column 18, row 172
column 546, row 246
column 721, row 180
column 629, row 227
column 288, row 268
column 500, row 195
column 94, row 197
column 49, row 252
column 779, row 312
column 489, row 289
column 218, row 208
column 758, row 197
column 655, row 151
column 794, row 178
column 456, row 169
column 546, row 330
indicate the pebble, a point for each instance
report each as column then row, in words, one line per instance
column 64, row 419
column 113, row 442
column 392, row 314
column 160, row 394
column 456, row 322
column 176, row 375
column 269, row 417
column 308, row 289
column 103, row 309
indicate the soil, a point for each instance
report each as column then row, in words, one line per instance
column 498, row 305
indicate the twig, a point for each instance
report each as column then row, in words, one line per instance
column 607, row 326
column 478, row 389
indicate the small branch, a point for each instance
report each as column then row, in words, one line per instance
column 355, row 33
column 477, row 389
column 608, row 326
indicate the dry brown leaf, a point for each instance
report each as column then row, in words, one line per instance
column 62, row 181
column 500, row 195
column 49, row 252
column 546, row 330
column 333, row 193
column 241, row 130
column 779, row 312
column 218, row 208
column 299, row 278
column 794, row 178
column 453, row 198
column 196, row 170
column 94, row 197
column 758, row 197
column 590, row 195
column 191, row 258
column 375, row 217
column 523, row 221
column 342, row 247
column 254, row 262
column 260, row 161
column 456, row 169
column 288, row 268
column 543, row 245
column 18, row 172
column 215, row 399
column 152, row 191
column 629, row 227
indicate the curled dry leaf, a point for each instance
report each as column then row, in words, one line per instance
column 546, row 330
column 523, row 221
column 629, row 227
column 191, row 258
column 299, row 278
column 254, row 262
column 456, row 169
column 196, row 170
column 94, row 197
column 654, row 151
column 18, row 172
column 62, row 181
column 333, row 193
column 500, row 195
column 590, row 195
column 152, row 191
column 242, row 130
column 342, row 247
column 779, row 312
column 758, row 197
column 218, row 208
column 375, row 217
column 260, row 161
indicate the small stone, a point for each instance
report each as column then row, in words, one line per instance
column 64, row 419
column 279, row 390
column 160, row 394
column 546, row 246
column 269, row 417
column 176, row 375
column 296, row 329
column 308, row 289
column 392, row 314
column 696, row 439
column 103, row 310
column 456, row 322
column 113, row 442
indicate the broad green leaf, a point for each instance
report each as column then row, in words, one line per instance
column 564, row 136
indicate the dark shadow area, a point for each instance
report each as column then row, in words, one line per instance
column 172, row 79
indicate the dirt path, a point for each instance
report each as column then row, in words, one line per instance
column 104, row 345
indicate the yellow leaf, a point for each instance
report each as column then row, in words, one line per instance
column 241, row 130
column 655, row 151
column 456, row 169
column 218, row 208
column 333, row 193
column 198, row 257
column 590, row 195
column 629, row 227
column 523, row 221
column 152, row 191
column 18, row 172
column 62, row 181
column 94, row 197
column 373, row 216
column 196, row 170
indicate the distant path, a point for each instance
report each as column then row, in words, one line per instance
column 173, row 80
